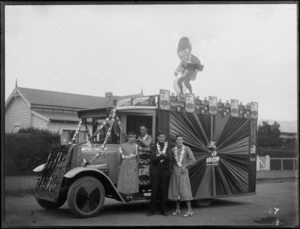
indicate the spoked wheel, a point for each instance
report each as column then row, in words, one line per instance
column 86, row 197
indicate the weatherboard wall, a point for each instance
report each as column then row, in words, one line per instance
column 17, row 111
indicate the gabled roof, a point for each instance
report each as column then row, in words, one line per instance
column 62, row 99
column 66, row 100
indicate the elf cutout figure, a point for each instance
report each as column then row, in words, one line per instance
column 188, row 67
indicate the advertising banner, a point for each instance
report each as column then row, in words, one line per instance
column 164, row 99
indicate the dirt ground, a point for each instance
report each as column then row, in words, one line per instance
column 244, row 210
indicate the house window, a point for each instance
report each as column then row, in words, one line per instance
column 17, row 127
column 67, row 136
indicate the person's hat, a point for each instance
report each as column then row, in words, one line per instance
column 211, row 145
column 184, row 43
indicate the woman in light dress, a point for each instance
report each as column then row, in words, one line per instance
column 179, row 187
column 128, row 180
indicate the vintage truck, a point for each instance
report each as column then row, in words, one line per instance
column 222, row 137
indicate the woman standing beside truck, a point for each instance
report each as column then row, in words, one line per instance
column 179, row 187
column 128, row 181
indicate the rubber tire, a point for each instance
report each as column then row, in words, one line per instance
column 72, row 197
column 201, row 203
column 49, row 205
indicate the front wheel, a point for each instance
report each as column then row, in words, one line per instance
column 86, row 197
column 202, row 203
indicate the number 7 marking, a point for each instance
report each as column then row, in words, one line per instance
column 276, row 210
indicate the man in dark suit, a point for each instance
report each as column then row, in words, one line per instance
column 160, row 158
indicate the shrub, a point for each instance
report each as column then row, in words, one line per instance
column 28, row 149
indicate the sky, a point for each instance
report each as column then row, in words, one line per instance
column 249, row 51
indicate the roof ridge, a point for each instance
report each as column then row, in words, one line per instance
column 62, row 92
column 103, row 97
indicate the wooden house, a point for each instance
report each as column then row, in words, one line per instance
column 51, row 110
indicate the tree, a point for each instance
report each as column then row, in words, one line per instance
column 269, row 135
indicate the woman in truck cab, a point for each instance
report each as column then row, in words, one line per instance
column 128, row 180
column 144, row 142
column 179, row 187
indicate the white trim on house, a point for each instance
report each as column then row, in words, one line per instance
column 55, row 108
column 28, row 103
column 40, row 116
column 12, row 95
column 9, row 98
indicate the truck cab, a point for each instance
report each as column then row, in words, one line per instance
column 109, row 161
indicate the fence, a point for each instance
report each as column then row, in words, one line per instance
column 283, row 163
column 276, row 163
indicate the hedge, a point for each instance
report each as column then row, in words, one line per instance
column 28, row 149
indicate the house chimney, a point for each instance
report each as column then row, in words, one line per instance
column 108, row 94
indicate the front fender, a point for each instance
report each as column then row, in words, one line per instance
column 74, row 172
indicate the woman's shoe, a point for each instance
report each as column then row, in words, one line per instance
column 177, row 212
column 188, row 214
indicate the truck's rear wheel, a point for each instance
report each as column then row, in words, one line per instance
column 49, row 205
column 202, row 203
column 86, row 197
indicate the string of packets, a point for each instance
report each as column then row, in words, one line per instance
column 49, row 182
column 113, row 117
